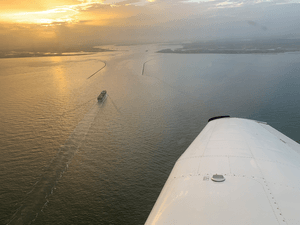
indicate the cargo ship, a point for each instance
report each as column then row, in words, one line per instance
column 102, row 96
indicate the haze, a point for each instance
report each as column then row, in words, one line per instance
column 57, row 25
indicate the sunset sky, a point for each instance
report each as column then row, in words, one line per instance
column 50, row 24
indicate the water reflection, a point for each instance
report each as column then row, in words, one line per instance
column 59, row 73
column 122, row 151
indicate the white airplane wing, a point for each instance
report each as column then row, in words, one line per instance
column 237, row 171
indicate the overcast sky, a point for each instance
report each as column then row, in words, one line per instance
column 60, row 23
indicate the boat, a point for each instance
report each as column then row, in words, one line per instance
column 102, row 96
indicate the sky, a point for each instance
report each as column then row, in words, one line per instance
column 45, row 25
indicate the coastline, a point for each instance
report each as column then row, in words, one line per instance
column 262, row 46
column 27, row 54
column 226, row 51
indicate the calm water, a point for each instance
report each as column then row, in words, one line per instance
column 65, row 159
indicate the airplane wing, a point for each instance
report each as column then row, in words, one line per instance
column 237, row 171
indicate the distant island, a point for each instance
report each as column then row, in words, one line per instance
column 229, row 46
column 238, row 47
column 67, row 52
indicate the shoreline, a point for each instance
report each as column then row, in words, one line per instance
column 221, row 51
column 12, row 55
column 41, row 55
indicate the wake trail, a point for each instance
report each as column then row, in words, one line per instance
column 77, row 107
column 37, row 198
column 170, row 86
column 143, row 70
column 97, row 70
column 114, row 105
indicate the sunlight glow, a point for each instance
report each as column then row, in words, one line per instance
column 42, row 17
column 65, row 14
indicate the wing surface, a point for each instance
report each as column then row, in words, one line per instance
column 261, row 167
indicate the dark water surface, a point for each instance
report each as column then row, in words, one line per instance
column 66, row 159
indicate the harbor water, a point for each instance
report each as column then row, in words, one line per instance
column 68, row 159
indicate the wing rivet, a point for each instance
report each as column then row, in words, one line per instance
column 218, row 178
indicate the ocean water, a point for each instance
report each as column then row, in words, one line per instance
column 66, row 159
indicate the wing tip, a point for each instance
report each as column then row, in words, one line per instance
column 218, row 117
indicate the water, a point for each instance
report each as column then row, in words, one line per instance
column 65, row 159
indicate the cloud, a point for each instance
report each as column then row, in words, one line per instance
column 229, row 4
column 128, row 2
column 15, row 6
column 96, row 22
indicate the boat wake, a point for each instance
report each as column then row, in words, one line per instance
column 174, row 88
column 97, row 70
column 37, row 199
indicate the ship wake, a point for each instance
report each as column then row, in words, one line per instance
column 38, row 197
